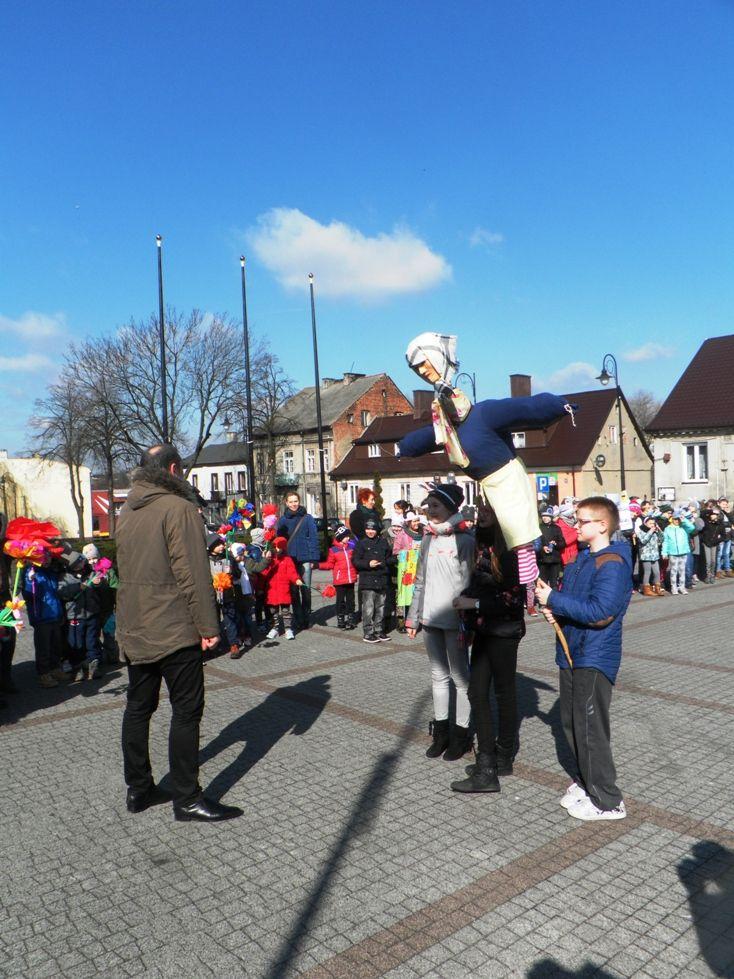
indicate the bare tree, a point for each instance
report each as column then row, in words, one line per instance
column 61, row 432
column 644, row 406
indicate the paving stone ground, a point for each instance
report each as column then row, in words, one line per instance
column 353, row 857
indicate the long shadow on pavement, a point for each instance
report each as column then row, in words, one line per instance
column 363, row 814
column 708, row 876
column 550, row 969
column 32, row 699
column 287, row 710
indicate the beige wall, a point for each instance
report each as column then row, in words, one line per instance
column 43, row 492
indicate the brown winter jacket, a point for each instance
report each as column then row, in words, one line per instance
column 165, row 600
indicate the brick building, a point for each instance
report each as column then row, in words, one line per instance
column 287, row 456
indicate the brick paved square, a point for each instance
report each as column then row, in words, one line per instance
column 353, row 857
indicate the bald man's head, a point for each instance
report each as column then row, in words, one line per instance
column 162, row 456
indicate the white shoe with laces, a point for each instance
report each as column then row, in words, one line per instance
column 273, row 634
column 289, row 634
column 574, row 794
column 586, row 810
column 682, row 591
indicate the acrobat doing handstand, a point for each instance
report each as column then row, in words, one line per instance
column 478, row 440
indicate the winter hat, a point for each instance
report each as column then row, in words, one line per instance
column 90, row 552
column 280, row 543
column 340, row 534
column 566, row 510
column 438, row 349
column 677, row 513
column 635, row 508
column 548, row 512
column 236, row 549
column 451, row 495
column 257, row 536
column 212, row 540
column 371, row 524
column 665, row 508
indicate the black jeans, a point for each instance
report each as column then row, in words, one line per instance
column 48, row 643
column 494, row 658
column 550, row 574
column 344, row 600
column 183, row 672
column 301, row 595
column 585, row 698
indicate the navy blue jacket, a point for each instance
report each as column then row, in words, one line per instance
column 306, row 546
column 41, row 594
column 485, row 433
column 590, row 607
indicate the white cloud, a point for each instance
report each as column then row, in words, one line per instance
column 483, row 237
column 27, row 363
column 576, row 376
column 344, row 261
column 648, row 351
column 33, row 326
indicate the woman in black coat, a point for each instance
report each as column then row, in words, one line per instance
column 494, row 610
column 552, row 542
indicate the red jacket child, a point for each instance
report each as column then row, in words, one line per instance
column 571, row 537
column 280, row 575
column 339, row 560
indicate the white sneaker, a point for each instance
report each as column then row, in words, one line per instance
column 289, row 634
column 682, row 591
column 273, row 634
column 586, row 810
column 673, row 591
column 574, row 794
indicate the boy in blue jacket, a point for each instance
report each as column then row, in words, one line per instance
column 595, row 594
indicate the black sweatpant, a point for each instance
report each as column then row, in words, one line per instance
column 494, row 659
column 585, row 698
column 550, row 574
column 183, row 672
column 344, row 600
column 48, row 643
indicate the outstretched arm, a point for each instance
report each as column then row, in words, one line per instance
column 419, row 442
column 539, row 409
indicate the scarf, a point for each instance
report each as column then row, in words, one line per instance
column 446, row 414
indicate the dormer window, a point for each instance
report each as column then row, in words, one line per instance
column 518, row 440
column 373, row 451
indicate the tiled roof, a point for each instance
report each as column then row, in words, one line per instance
column 702, row 398
column 221, row 454
column 566, row 446
column 298, row 414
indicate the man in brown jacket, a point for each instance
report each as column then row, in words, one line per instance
column 166, row 619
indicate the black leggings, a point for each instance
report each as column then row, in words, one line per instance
column 494, row 658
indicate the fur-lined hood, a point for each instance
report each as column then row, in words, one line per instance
column 151, row 482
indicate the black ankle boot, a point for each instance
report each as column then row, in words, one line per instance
column 483, row 779
column 340, row 624
column 460, row 741
column 505, row 757
column 440, row 732
column 351, row 621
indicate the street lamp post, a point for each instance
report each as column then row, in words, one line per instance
column 604, row 378
column 248, row 389
column 472, row 378
column 162, row 341
column 322, row 468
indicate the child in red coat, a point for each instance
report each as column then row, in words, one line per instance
column 344, row 574
column 278, row 578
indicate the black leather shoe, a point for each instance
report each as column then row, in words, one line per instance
column 204, row 810
column 140, row 801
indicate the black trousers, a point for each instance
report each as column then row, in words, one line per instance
column 344, row 600
column 48, row 643
column 301, row 596
column 494, row 660
column 550, row 574
column 585, row 698
column 183, row 672
column 7, row 651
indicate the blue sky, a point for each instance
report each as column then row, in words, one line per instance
column 550, row 180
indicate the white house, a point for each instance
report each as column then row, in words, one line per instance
column 220, row 472
column 692, row 435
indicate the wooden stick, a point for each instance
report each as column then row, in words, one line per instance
column 564, row 644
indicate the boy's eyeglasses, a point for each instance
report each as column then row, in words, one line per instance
column 592, row 520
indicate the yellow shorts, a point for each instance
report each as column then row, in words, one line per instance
column 510, row 494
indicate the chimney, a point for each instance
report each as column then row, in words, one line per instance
column 349, row 377
column 231, row 436
column 422, row 405
column 520, row 385
column 327, row 382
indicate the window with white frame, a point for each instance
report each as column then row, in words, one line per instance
column 697, row 462
column 405, row 491
column 241, row 481
column 396, row 448
column 366, row 418
column 289, row 465
column 613, row 434
column 229, row 483
column 518, row 440
column 310, row 460
column 195, row 481
column 353, row 490
column 215, row 482
column 373, row 451
column 470, row 493
column 327, row 460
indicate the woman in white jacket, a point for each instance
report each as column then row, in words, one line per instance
column 444, row 570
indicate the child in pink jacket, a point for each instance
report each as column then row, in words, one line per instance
column 344, row 574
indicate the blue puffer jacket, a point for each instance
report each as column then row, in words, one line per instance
column 41, row 594
column 486, row 432
column 305, row 547
column 595, row 594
